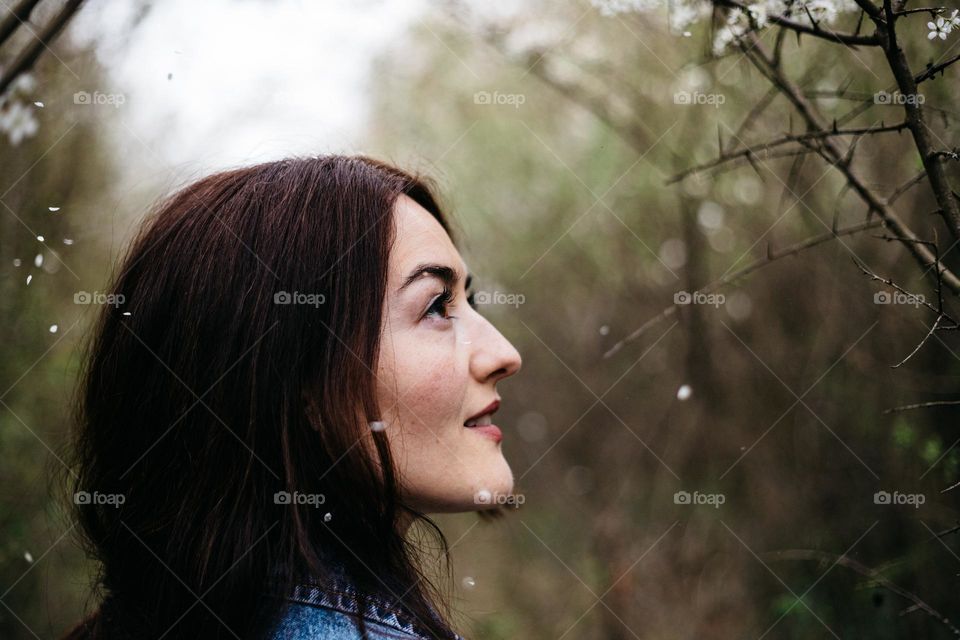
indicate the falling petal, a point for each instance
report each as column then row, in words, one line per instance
column 39, row 104
column 684, row 392
column 29, row 278
column 604, row 330
column 38, row 260
column 27, row 556
column 377, row 425
column 126, row 313
column 327, row 517
column 16, row 262
column 53, row 209
column 469, row 583
column 40, row 238
column 67, row 241
column 53, row 328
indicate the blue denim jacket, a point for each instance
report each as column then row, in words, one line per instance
column 329, row 613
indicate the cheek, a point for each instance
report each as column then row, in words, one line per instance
column 423, row 385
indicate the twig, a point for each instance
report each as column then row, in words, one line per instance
column 923, row 405
column 848, row 39
column 17, row 16
column 913, row 109
column 29, row 55
column 873, row 574
column 755, row 53
column 787, row 139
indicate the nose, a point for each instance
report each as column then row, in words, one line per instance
column 493, row 357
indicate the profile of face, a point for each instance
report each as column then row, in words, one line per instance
column 439, row 364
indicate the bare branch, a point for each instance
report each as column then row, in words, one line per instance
column 848, row 39
column 755, row 52
column 873, row 574
column 913, row 109
column 17, row 16
column 29, row 55
column 923, row 405
column 787, row 139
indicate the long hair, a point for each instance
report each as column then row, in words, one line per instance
column 223, row 441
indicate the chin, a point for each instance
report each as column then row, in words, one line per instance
column 496, row 485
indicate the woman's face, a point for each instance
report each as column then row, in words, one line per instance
column 439, row 366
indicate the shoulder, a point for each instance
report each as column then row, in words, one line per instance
column 313, row 612
column 303, row 621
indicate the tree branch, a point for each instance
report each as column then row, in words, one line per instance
column 756, row 53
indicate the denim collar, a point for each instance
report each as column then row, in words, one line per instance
column 339, row 593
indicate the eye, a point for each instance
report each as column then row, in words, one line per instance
column 439, row 305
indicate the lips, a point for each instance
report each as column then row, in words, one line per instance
column 483, row 417
column 482, row 424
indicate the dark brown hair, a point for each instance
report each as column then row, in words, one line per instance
column 204, row 396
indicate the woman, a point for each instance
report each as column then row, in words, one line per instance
column 293, row 375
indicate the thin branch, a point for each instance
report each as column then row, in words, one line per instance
column 755, row 52
column 913, row 109
column 848, row 39
column 17, row 16
column 935, row 69
column 29, row 55
column 903, row 188
column 787, row 139
column 923, row 405
column 873, row 574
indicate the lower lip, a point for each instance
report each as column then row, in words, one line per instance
column 489, row 430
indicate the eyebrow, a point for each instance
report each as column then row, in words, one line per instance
column 448, row 275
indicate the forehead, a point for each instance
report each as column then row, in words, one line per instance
column 420, row 238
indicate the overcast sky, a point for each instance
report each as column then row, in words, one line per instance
column 249, row 80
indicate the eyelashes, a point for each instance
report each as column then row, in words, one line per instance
column 440, row 304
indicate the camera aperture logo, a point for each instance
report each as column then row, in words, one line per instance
column 712, row 499
column 299, row 297
column 286, row 497
column 896, row 498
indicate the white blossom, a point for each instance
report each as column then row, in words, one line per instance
column 17, row 121
column 938, row 29
column 953, row 21
column 684, row 13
